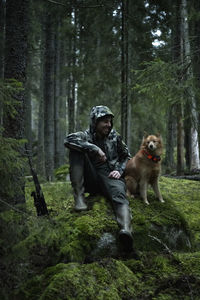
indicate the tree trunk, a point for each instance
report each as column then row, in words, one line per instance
column 170, row 140
column 180, row 141
column 194, row 158
column 71, row 83
column 2, row 41
column 63, row 99
column 40, row 130
column 28, row 109
column 177, row 55
column 124, row 70
column 2, row 36
column 57, row 96
column 15, row 67
column 15, row 60
column 187, row 130
column 49, row 141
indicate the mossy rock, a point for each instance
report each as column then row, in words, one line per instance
column 152, row 277
column 69, row 236
column 46, row 249
column 160, row 225
column 99, row 280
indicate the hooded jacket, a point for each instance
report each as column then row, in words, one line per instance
column 115, row 149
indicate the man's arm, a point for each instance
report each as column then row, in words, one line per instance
column 79, row 141
column 123, row 156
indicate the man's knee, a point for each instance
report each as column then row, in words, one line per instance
column 82, row 167
column 116, row 191
column 76, row 157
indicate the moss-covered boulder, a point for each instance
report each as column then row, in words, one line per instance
column 70, row 255
column 107, row 279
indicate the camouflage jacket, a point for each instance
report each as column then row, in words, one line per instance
column 115, row 149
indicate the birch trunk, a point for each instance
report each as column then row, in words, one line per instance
column 194, row 159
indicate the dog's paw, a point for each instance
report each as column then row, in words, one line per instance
column 146, row 202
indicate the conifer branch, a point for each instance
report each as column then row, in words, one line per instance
column 91, row 6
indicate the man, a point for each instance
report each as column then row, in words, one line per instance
column 98, row 157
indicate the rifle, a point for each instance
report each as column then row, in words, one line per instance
column 38, row 196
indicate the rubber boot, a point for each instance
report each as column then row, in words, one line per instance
column 77, row 179
column 79, row 197
column 124, row 220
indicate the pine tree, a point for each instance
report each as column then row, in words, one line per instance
column 15, row 68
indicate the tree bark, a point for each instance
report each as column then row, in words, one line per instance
column 2, row 36
column 28, row 109
column 15, row 68
column 63, row 99
column 16, row 60
column 49, row 133
column 194, row 158
column 170, row 140
column 71, row 83
column 124, row 70
column 180, row 140
column 57, row 96
column 178, row 55
column 40, row 130
column 2, row 41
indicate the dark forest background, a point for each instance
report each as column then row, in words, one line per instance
column 60, row 58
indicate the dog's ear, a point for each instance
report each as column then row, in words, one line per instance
column 158, row 135
column 145, row 135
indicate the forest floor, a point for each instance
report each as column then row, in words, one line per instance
column 69, row 255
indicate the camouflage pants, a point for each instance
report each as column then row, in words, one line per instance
column 96, row 180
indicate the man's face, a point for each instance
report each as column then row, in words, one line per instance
column 104, row 126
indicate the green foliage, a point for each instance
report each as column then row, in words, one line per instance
column 11, row 164
column 61, row 172
column 8, row 90
column 162, row 82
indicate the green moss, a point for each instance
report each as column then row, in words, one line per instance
column 162, row 221
column 99, row 280
column 47, row 259
column 185, row 196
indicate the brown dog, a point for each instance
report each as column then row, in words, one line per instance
column 144, row 168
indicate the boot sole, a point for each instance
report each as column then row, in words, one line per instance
column 126, row 241
column 80, row 209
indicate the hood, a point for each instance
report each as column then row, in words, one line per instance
column 96, row 113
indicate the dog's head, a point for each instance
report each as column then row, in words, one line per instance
column 152, row 143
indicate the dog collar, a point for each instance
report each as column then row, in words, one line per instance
column 154, row 158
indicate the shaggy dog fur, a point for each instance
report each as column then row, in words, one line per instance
column 144, row 168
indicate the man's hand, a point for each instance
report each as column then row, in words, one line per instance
column 102, row 156
column 114, row 174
